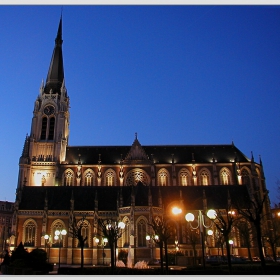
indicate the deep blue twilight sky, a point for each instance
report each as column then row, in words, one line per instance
column 173, row 74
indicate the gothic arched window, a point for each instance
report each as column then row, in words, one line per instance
column 135, row 176
column 184, row 178
column 204, row 177
column 245, row 177
column 51, row 128
column 110, row 178
column 44, row 128
column 141, row 233
column 89, row 178
column 245, row 233
column 29, row 233
column 68, row 177
column 57, row 225
column 126, row 233
column 225, row 176
column 85, row 231
column 163, row 177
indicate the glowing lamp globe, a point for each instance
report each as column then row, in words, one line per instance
column 211, row 214
column 189, row 217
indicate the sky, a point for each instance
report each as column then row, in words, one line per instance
column 175, row 74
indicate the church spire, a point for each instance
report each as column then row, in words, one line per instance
column 55, row 76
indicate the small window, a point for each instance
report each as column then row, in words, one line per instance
column 44, row 128
column 51, row 130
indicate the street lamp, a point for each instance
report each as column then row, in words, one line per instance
column 59, row 236
column 103, row 244
column 112, row 230
column 47, row 242
column 200, row 224
column 209, row 233
column 231, row 244
column 151, row 242
column 176, row 210
column 118, row 234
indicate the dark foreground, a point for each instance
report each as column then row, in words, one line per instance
column 248, row 269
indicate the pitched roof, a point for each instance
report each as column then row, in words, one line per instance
column 158, row 153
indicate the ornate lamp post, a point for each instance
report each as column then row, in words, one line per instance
column 231, row 243
column 59, row 236
column 121, row 226
column 112, row 230
column 153, row 239
column 209, row 233
column 47, row 243
column 103, row 244
column 151, row 242
column 200, row 225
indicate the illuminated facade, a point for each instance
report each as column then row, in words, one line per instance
column 6, row 215
column 130, row 183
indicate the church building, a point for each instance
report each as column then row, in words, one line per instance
column 133, row 184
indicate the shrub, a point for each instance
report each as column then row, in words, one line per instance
column 36, row 260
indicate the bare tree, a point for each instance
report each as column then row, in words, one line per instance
column 219, row 241
column 254, row 213
column 272, row 237
column 224, row 222
column 246, row 233
column 75, row 230
column 163, row 231
column 112, row 230
column 193, row 238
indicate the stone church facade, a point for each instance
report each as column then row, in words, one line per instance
column 134, row 184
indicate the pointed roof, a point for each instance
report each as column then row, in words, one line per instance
column 55, row 76
column 136, row 151
column 159, row 154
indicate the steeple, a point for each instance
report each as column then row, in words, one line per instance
column 55, row 76
column 49, row 126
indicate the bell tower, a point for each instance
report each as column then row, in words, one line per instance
column 45, row 148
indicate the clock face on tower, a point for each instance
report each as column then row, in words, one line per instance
column 49, row 110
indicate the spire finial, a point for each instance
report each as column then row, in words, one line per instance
column 58, row 39
column 135, row 135
column 55, row 75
